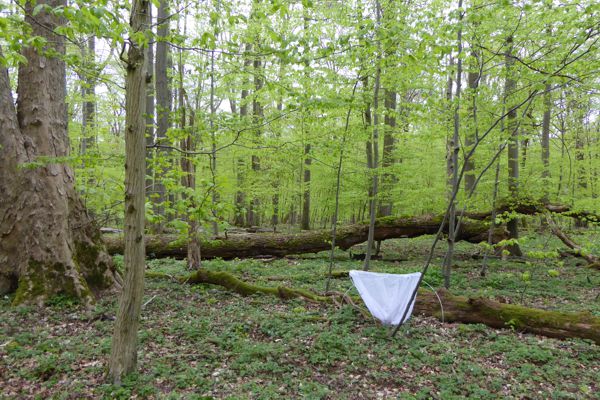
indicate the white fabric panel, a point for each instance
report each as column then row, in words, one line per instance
column 386, row 295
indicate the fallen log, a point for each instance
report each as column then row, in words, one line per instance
column 273, row 244
column 533, row 207
column 577, row 251
column 478, row 310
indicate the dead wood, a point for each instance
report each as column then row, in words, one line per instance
column 576, row 250
column 279, row 245
column 462, row 309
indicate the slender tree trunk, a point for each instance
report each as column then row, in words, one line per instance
column 389, row 144
column 240, row 195
column 123, row 358
column 306, row 195
column 471, row 134
column 213, row 140
column 163, row 110
column 546, row 140
column 455, row 146
column 513, row 144
column 257, row 116
column 375, row 144
column 305, row 222
column 449, row 145
column 150, row 109
column 88, row 91
column 48, row 243
column 276, row 181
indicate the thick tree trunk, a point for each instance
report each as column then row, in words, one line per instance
column 123, row 357
column 307, row 242
column 48, row 244
column 456, row 308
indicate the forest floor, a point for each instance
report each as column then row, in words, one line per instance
column 201, row 342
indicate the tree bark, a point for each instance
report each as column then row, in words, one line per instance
column 455, row 147
column 48, row 244
column 513, row 144
column 306, row 195
column 307, row 242
column 388, row 179
column 546, row 139
column 473, row 310
column 471, row 135
column 163, row 112
column 257, row 116
column 240, row 195
column 123, row 357
column 88, row 92
column 150, row 109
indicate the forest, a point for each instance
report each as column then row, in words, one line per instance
column 266, row 199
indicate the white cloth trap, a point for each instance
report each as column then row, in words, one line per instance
column 386, row 295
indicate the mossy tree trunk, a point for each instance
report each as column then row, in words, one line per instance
column 309, row 241
column 48, row 244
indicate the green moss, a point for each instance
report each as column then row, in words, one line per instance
column 89, row 262
column 42, row 282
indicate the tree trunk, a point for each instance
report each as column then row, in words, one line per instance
column 257, row 116
column 546, row 140
column 48, row 244
column 88, row 91
column 240, row 195
column 245, row 245
column 474, row 310
column 306, row 195
column 389, row 143
column 163, row 111
column 471, row 135
column 150, row 109
column 513, row 145
column 188, row 169
column 449, row 145
column 123, row 357
column 455, row 147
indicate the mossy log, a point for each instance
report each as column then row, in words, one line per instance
column 456, row 308
column 273, row 244
column 534, row 207
column 577, row 251
column 560, row 325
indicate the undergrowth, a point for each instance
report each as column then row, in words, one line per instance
column 200, row 342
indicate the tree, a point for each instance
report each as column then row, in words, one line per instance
column 49, row 245
column 88, row 93
column 513, row 141
column 163, row 111
column 123, row 356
